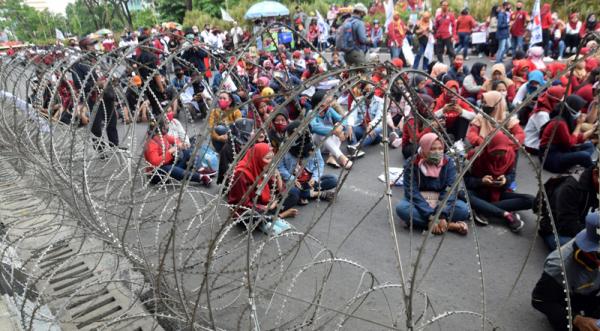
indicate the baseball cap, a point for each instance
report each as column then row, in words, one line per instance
column 589, row 238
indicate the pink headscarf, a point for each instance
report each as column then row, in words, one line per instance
column 425, row 143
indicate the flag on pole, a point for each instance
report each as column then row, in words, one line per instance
column 225, row 16
column 59, row 34
column 323, row 28
column 389, row 13
column 536, row 28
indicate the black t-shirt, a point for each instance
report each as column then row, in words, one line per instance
column 147, row 66
column 82, row 79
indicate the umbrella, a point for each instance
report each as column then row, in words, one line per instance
column 266, row 9
column 104, row 32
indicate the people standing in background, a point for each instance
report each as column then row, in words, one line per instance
column 423, row 31
column 502, row 34
column 518, row 23
column 465, row 24
column 445, row 32
column 396, row 35
column 492, row 25
column 546, row 15
column 237, row 34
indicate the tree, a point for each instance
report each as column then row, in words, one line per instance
column 28, row 24
column 171, row 10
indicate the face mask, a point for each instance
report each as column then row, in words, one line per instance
column 519, row 8
column 531, row 88
column 280, row 127
column 434, row 158
column 223, row 104
column 487, row 109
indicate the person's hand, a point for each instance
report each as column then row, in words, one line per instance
column 311, row 183
column 500, row 181
column 298, row 184
column 487, row 180
column 581, row 119
column 585, row 323
column 173, row 149
column 223, row 137
column 349, row 133
column 273, row 204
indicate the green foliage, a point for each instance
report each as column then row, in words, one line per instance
column 28, row 24
column 145, row 17
column 170, row 10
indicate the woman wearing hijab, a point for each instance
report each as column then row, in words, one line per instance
column 520, row 72
column 455, row 113
column 495, row 106
column 303, row 167
column 535, row 80
column 415, row 127
column 499, row 74
column 427, row 178
column 547, row 102
column 277, row 130
column 591, row 24
column 489, row 180
column 569, row 145
column 423, row 31
column 473, row 83
column 252, row 205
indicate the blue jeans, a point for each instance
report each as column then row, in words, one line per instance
column 559, row 161
column 395, row 52
column 359, row 132
column 551, row 243
column 517, row 42
column 561, row 47
column 177, row 170
column 404, row 209
column 463, row 42
column 501, row 50
column 220, row 130
column 325, row 183
column 420, row 54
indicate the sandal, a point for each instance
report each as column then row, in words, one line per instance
column 332, row 163
column 303, row 202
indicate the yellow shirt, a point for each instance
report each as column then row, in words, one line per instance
column 221, row 117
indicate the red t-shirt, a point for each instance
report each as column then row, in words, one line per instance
column 562, row 138
column 465, row 23
column 519, row 19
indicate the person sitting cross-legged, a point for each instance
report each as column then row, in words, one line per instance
column 303, row 167
column 427, row 178
column 488, row 183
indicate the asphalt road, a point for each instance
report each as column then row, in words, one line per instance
column 449, row 273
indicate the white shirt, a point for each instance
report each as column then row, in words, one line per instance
column 533, row 128
column 176, row 130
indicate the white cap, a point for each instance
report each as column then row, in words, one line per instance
column 360, row 7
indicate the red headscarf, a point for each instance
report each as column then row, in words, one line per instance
column 252, row 166
column 549, row 99
column 555, row 67
column 545, row 9
column 495, row 166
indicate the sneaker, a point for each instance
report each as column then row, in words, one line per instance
column 480, row 219
column 352, row 148
column 357, row 154
column 207, row 171
column 514, row 222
